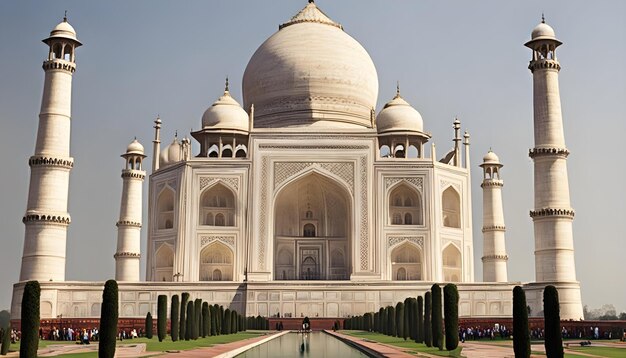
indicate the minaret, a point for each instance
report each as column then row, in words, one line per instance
column 156, row 144
column 494, row 251
column 129, row 225
column 46, row 217
column 553, row 215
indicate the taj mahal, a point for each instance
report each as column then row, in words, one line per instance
column 302, row 199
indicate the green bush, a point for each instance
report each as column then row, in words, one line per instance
column 233, row 321
column 213, row 316
column 149, row 325
column 226, row 322
column 436, row 318
column 552, row 322
column 419, row 331
column 108, row 320
column 220, row 317
column 189, row 321
column 162, row 317
column 409, row 313
column 6, row 340
column 521, row 333
column 382, row 320
column 30, row 319
column 206, row 320
column 451, row 311
column 391, row 321
column 182, row 329
column 400, row 320
column 197, row 318
column 428, row 328
column 174, row 316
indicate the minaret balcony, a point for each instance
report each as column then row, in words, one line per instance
column 40, row 160
column 58, row 64
column 544, row 64
column 492, row 183
column 552, row 212
column 538, row 152
column 495, row 258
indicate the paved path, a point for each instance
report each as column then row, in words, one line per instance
column 220, row 349
column 379, row 348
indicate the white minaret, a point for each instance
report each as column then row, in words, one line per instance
column 156, row 144
column 46, row 217
column 553, row 215
column 494, row 250
column 129, row 226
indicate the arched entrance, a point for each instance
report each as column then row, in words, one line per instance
column 312, row 230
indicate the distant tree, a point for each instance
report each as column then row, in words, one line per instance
column 189, row 321
column 226, row 322
column 149, row 324
column 420, row 320
column 521, row 334
column 30, row 319
column 174, row 317
column 162, row 317
column 428, row 328
column 400, row 320
column 206, row 320
column 108, row 320
column 436, row 317
column 552, row 323
column 182, row 330
column 197, row 321
column 451, row 314
column 622, row 316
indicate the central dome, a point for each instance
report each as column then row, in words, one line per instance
column 311, row 73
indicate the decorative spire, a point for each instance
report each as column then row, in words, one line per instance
column 311, row 1
column 543, row 18
column 226, row 87
column 65, row 16
column 397, row 89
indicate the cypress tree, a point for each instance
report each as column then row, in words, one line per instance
column 428, row 329
column 174, row 316
column 206, row 320
column 384, row 321
column 419, row 332
column 221, row 319
column 108, row 320
column 6, row 340
column 375, row 328
column 259, row 323
column 521, row 334
column 436, row 318
column 391, row 321
column 161, row 317
column 30, row 320
column 233, row 321
column 400, row 320
column 451, row 310
column 197, row 321
column 226, row 322
column 182, row 329
column 552, row 322
column 213, row 316
column 409, row 321
column 149, row 326
column 381, row 321
column 407, row 327
column 189, row 321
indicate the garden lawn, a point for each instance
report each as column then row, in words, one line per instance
column 153, row 345
column 601, row 351
column 409, row 345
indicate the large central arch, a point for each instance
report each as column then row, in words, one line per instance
column 312, row 230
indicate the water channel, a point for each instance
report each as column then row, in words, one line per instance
column 310, row 345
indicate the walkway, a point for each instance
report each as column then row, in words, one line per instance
column 382, row 350
column 223, row 350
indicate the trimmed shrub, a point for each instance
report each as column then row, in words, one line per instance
column 436, row 318
column 149, row 325
column 108, row 320
column 206, row 320
column 400, row 320
column 6, row 340
column 391, row 321
column 428, row 328
column 226, row 322
column 197, row 318
column 552, row 322
column 233, row 321
column 182, row 329
column 410, row 320
column 381, row 321
column 419, row 331
column 451, row 311
column 521, row 333
column 221, row 319
column 189, row 321
column 174, row 316
column 385, row 321
column 162, row 317
column 30, row 320
column 213, row 316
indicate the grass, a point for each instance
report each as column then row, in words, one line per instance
column 609, row 352
column 409, row 345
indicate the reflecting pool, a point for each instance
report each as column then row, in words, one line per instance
column 313, row 345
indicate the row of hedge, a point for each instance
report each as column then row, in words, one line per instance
column 419, row 319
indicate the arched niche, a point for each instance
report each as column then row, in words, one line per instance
column 451, row 208
column 406, row 262
column 165, row 209
column 216, row 263
column 164, row 263
column 312, row 220
column 405, row 206
column 217, row 206
column 451, row 258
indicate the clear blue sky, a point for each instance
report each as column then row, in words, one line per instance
column 143, row 58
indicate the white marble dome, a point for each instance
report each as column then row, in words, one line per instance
column 171, row 154
column 491, row 158
column 399, row 116
column 311, row 73
column 225, row 114
column 135, row 148
column 64, row 30
column 543, row 31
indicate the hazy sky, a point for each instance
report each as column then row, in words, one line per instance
column 143, row 58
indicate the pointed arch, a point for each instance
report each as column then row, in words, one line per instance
column 406, row 262
column 217, row 206
column 451, row 208
column 165, row 208
column 164, row 263
column 216, row 257
column 451, row 259
column 405, row 205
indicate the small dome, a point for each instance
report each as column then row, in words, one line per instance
column 226, row 114
column 135, row 148
column 399, row 116
column 491, row 158
column 543, row 31
column 171, row 154
column 63, row 30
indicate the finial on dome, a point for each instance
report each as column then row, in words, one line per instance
column 543, row 18
column 311, row 1
column 397, row 89
column 65, row 16
column 176, row 134
column 226, row 87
